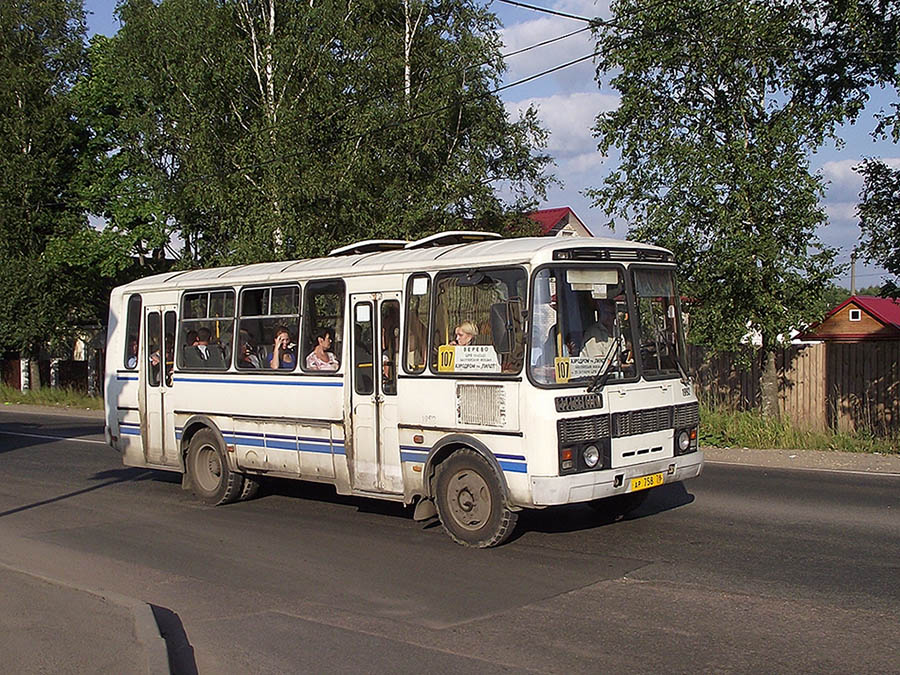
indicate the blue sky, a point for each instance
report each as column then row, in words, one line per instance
column 569, row 100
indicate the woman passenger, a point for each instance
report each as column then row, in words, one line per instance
column 464, row 333
column 320, row 358
column 282, row 357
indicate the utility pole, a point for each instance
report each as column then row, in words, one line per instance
column 853, row 273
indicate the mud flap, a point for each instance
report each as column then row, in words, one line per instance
column 425, row 510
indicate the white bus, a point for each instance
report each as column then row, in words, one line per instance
column 465, row 374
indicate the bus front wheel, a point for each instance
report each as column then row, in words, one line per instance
column 469, row 501
column 212, row 482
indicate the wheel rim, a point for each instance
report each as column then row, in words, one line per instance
column 207, row 468
column 469, row 498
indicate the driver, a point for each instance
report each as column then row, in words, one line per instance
column 599, row 338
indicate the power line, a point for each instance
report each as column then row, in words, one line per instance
column 546, row 10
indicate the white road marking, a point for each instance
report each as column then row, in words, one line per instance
column 52, row 438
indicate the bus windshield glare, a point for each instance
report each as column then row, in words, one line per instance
column 583, row 317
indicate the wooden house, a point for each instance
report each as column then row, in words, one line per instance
column 860, row 318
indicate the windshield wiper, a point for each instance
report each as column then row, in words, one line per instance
column 604, row 371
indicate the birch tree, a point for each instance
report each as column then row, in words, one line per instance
column 264, row 129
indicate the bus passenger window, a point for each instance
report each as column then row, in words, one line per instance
column 268, row 328
column 323, row 326
column 206, row 330
column 467, row 306
column 132, row 332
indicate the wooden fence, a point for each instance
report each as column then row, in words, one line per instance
column 843, row 386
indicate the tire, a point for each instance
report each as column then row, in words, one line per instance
column 469, row 501
column 251, row 488
column 621, row 505
column 212, row 482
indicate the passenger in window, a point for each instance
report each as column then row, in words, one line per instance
column 599, row 338
column 282, row 351
column 131, row 361
column 247, row 357
column 320, row 358
column 202, row 354
column 464, row 334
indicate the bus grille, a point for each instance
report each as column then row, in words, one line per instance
column 481, row 405
column 687, row 415
column 580, row 429
column 634, row 422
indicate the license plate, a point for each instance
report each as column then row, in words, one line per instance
column 645, row 482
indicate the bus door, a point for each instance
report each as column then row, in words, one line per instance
column 375, row 345
column 159, row 356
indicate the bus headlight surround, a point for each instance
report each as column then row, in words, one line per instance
column 683, row 441
column 591, row 456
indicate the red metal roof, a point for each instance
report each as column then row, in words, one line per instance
column 886, row 310
column 549, row 218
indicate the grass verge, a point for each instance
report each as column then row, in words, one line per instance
column 67, row 398
column 722, row 428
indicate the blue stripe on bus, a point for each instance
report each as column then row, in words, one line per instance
column 127, row 378
column 286, row 383
column 419, row 455
column 514, row 468
column 129, row 431
column 280, row 442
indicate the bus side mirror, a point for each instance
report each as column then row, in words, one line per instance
column 501, row 328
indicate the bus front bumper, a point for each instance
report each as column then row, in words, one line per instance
column 590, row 485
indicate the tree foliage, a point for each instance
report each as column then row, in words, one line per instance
column 879, row 220
column 252, row 130
column 41, row 144
column 720, row 105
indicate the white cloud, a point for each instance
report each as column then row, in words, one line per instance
column 588, row 162
column 527, row 33
column 844, row 183
column 569, row 118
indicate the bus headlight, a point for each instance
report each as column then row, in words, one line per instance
column 684, row 441
column 591, row 456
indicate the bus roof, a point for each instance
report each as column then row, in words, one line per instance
column 494, row 252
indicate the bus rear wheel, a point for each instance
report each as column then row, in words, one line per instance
column 469, row 501
column 212, row 482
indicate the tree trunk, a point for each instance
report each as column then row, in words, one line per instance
column 769, row 386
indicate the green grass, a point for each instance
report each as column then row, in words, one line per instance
column 724, row 428
column 52, row 397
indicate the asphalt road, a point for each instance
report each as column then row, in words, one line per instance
column 744, row 570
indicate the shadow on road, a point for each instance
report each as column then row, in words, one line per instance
column 576, row 517
column 181, row 653
column 117, row 475
column 558, row 519
column 322, row 492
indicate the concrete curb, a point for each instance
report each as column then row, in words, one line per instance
column 146, row 630
column 809, row 460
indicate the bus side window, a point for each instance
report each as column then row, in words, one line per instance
column 206, row 330
column 418, row 308
column 323, row 309
column 132, row 332
column 265, row 313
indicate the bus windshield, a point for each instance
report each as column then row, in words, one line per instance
column 580, row 322
column 582, row 319
column 662, row 350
